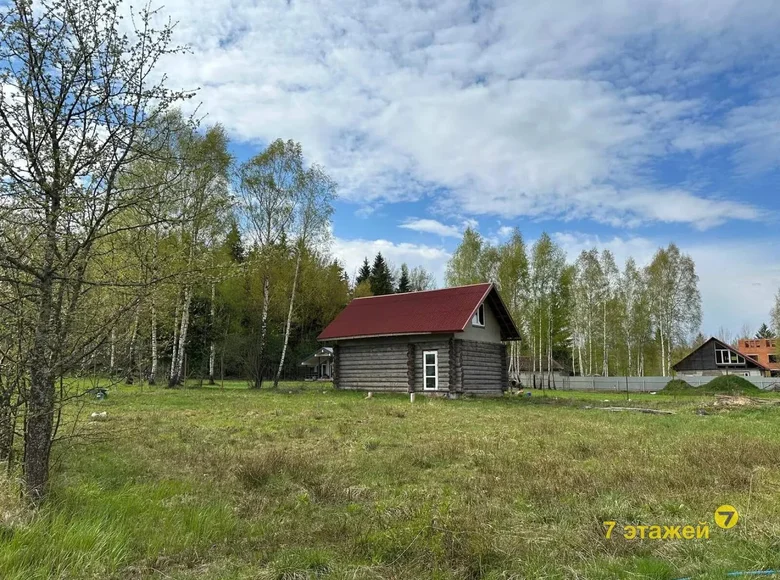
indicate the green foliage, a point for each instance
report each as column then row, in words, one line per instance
column 472, row 262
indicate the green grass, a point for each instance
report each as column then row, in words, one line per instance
column 306, row 482
column 726, row 385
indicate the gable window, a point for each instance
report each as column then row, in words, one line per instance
column 726, row 357
column 430, row 370
column 479, row 316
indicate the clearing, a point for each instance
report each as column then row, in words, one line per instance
column 307, row 482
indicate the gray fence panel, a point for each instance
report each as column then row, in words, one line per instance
column 637, row 384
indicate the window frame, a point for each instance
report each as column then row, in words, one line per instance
column 475, row 320
column 435, row 366
column 734, row 359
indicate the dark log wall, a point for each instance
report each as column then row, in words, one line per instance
column 336, row 366
column 483, row 367
column 390, row 364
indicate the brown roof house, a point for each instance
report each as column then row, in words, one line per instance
column 448, row 341
column 715, row 358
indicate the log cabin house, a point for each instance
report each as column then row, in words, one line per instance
column 448, row 341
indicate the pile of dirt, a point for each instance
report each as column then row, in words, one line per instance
column 725, row 385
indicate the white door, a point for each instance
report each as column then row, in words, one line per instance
column 430, row 370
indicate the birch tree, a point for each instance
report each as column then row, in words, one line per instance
column 421, row 279
column 78, row 97
column 609, row 275
column 268, row 184
column 512, row 280
column 470, row 263
column 205, row 165
column 675, row 300
column 587, row 296
column 313, row 210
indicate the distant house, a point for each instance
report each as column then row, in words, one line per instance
column 714, row 358
column 320, row 363
column 436, row 341
column 762, row 350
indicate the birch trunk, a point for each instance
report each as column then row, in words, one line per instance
column 260, row 366
column 185, row 322
column 605, row 363
column 213, row 346
column 153, row 369
column 663, row 355
column 131, row 351
column 289, row 319
column 113, row 352
column 175, row 353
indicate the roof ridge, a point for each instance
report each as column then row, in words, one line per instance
column 423, row 291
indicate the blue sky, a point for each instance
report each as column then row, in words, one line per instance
column 621, row 124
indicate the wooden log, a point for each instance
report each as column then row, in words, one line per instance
column 451, row 366
column 410, row 356
column 336, row 362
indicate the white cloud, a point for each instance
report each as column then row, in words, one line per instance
column 431, row 227
column 505, row 231
column 508, row 108
column 737, row 280
column 352, row 252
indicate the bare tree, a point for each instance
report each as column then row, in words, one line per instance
column 79, row 105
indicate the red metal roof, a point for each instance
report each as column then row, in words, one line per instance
column 432, row 311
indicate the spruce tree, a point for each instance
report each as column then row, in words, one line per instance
column 364, row 273
column 764, row 332
column 403, row 282
column 381, row 279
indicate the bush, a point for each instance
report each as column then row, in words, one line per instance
column 723, row 385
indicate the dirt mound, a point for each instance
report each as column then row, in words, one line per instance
column 725, row 385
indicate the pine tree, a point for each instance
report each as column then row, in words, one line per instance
column 364, row 273
column 403, row 282
column 381, row 279
column 764, row 332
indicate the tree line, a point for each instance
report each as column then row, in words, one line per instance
column 380, row 278
column 592, row 316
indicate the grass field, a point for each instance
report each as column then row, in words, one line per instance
column 309, row 482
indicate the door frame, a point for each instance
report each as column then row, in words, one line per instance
column 435, row 353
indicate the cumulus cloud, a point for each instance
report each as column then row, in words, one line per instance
column 431, row 227
column 553, row 109
column 351, row 254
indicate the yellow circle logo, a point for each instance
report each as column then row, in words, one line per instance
column 726, row 516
